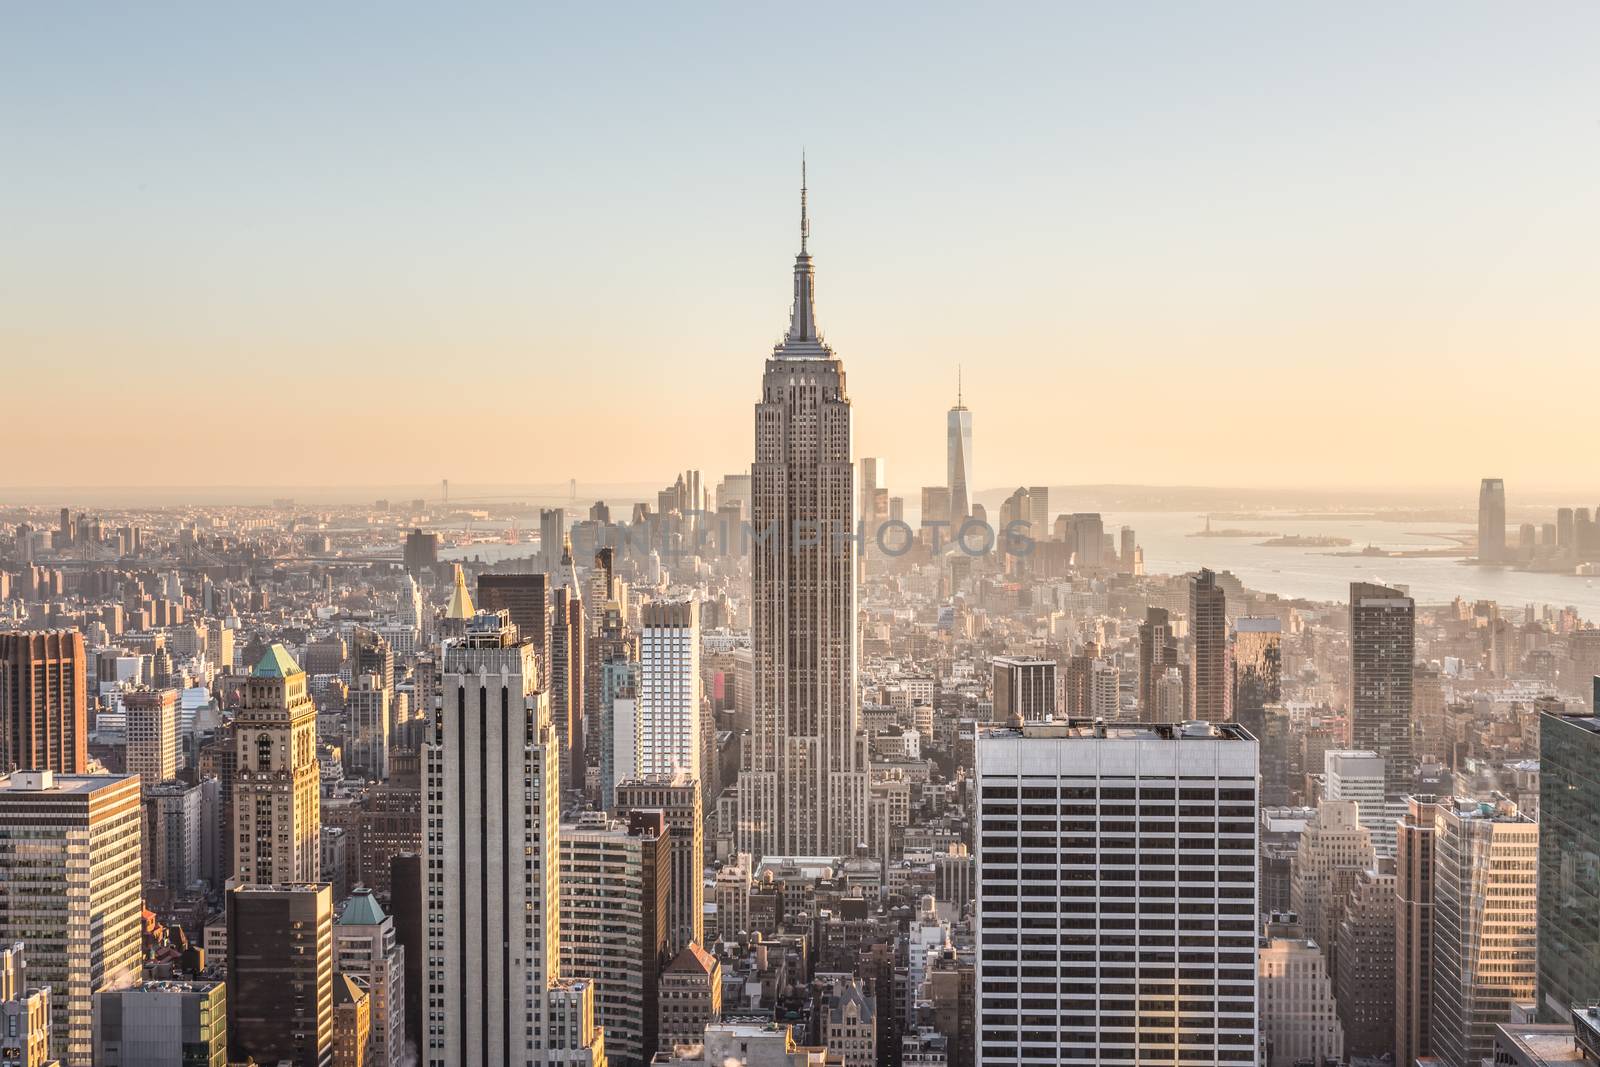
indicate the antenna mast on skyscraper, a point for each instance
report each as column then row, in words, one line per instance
column 805, row 218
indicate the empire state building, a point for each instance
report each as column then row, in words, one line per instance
column 803, row 786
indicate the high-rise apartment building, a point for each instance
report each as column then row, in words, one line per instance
column 1492, row 520
column 154, row 750
column 669, row 688
column 1120, row 859
column 1569, row 881
column 1210, row 687
column 162, row 1023
column 366, row 948
column 1382, row 653
column 280, row 974
column 1413, row 931
column 1158, row 651
column 43, row 702
column 277, row 816
column 1024, row 688
column 615, row 878
column 1257, row 669
column 959, row 461
column 69, row 885
column 492, row 891
column 1485, row 906
column 678, row 797
column 1365, row 971
column 804, row 788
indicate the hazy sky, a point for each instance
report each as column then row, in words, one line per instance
column 1344, row 245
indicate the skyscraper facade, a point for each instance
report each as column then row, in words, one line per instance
column 1569, row 864
column 1158, row 651
column 280, row 974
column 958, row 424
column 669, row 688
column 1209, row 684
column 153, row 749
column 1486, row 864
column 43, row 702
column 1382, row 653
column 566, row 679
column 1413, row 937
column 492, row 890
column 277, row 781
column 1134, row 886
column 1256, row 666
column 678, row 798
column 527, row 598
column 69, row 882
column 803, row 791
column 1024, row 688
column 1492, row 520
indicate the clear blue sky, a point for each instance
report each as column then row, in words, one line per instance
column 1221, row 244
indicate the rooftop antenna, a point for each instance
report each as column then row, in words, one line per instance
column 958, row 385
column 805, row 218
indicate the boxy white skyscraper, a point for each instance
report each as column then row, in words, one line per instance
column 1116, row 894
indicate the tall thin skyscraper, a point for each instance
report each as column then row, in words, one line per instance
column 566, row 679
column 69, row 883
column 1158, row 651
column 669, row 689
column 1136, row 888
column 1209, row 688
column 527, row 598
column 277, row 815
column 804, row 789
column 1382, row 651
column 43, row 702
column 1569, row 878
column 959, row 459
column 1413, row 931
column 1492, row 520
column 492, row 897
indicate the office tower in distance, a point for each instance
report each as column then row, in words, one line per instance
column 1569, row 882
column 277, row 781
column 176, row 832
column 43, row 702
column 366, row 753
column 615, row 672
column 1039, row 512
column 421, row 552
column 1299, row 1012
column 873, row 510
column 1360, row 776
column 1085, row 533
column 615, row 877
column 153, row 747
column 1485, row 906
column 526, row 597
column 678, row 798
column 552, row 534
column 669, row 688
column 365, row 948
column 935, row 510
column 959, row 459
column 280, row 973
column 566, row 681
column 1382, row 652
column 1158, row 651
column 1492, row 520
column 69, row 880
column 1110, row 811
column 804, row 789
column 1209, row 683
column 1024, row 688
column 1413, row 936
column 492, row 900
column 1127, row 550
column 1334, row 849
column 158, row 1023
column 1256, row 666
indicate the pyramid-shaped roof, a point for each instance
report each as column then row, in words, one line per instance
column 277, row 663
column 693, row 958
column 362, row 910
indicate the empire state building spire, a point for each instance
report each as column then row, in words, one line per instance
column 803, row 340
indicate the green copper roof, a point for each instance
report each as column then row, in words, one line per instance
column 277, row 663
column 362, row 910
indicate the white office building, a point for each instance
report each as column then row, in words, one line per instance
column 669, row 689
column 1116, row 894
column 1359, row 776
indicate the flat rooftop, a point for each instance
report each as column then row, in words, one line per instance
column 1093, row 729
